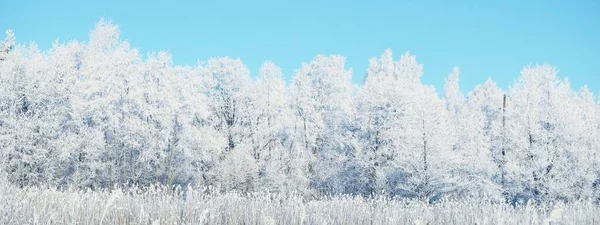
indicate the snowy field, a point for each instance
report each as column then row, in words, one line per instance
column 157, row 206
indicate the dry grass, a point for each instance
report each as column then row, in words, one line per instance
column 159, row 206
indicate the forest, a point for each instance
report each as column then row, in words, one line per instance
column 98, row 114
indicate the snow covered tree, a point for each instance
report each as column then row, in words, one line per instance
column 108, row 70
column 455, row 101
column 453, row 98
column 381, row 103
column 227, row 83
column 229, row 102
column 7, row 99
column 485, row 122
column 270, row 118
column 7, row 45
column 78, row 146
column 151, row 122
column 28, row 153
column 38, row 117
column 581, row 133
column 201, row 144
column 544, row 137
column 471, row 140
column 322, row 102
column 404, row 130
column 428, row 150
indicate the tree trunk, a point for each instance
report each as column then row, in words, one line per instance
column 425, row 166
column 503, row 156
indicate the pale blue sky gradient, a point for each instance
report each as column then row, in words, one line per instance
column 484, row 38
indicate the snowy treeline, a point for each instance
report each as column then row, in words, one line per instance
column 96, row 114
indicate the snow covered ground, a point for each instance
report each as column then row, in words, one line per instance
column 158, row 206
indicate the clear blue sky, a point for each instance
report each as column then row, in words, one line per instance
column 485, row 38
